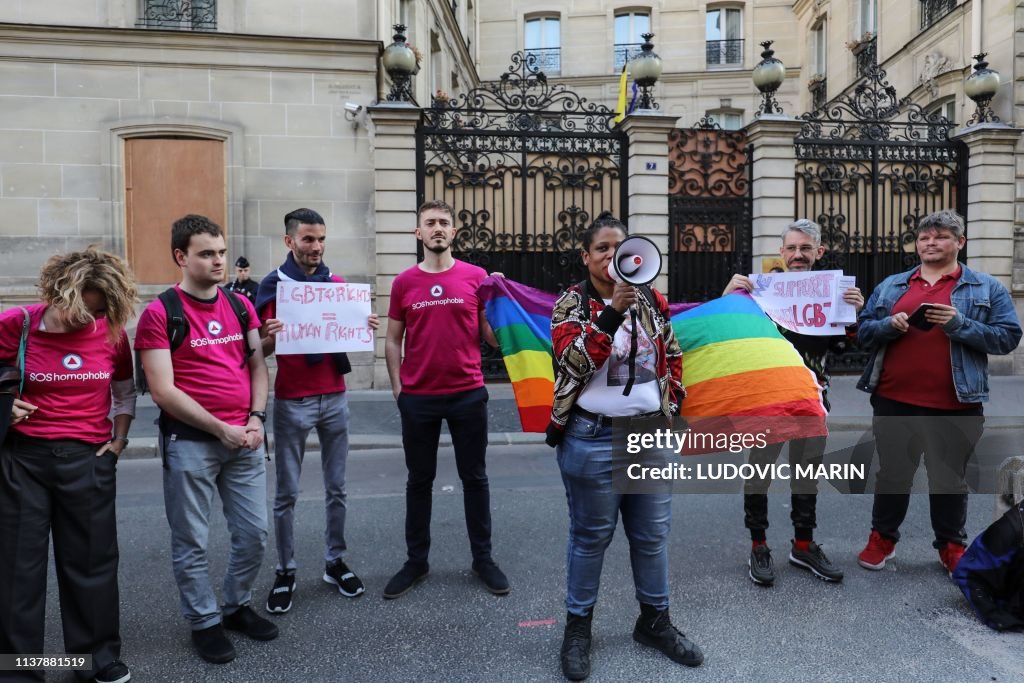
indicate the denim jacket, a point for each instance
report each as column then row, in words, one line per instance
column 986, row 322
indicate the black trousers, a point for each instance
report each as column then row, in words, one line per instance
column 466, row 414
column 804, row 503
column 58, row 487
column 946, row 438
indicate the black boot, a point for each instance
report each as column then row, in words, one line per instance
column 655, row 629
column 576, row 646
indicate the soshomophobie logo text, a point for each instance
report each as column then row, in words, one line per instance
column 437, row 302
column 67, row 376
column 206, row 341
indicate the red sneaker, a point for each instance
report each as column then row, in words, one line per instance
column 876, row 552
column 949, row 556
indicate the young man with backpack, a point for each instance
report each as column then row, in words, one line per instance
column 204, row 366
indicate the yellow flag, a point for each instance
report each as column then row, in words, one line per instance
column 620, row 107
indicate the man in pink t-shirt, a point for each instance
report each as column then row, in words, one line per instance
column 212, row 392
column 309, row 392
column 435, row 309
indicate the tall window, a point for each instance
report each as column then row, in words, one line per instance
column 543, row 42
column 629, row 27
column 186, row 15
column 819, row 49
column 933, row 10
column 866, row 17
column 724, row 36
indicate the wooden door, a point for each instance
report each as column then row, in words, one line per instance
column 166, row 178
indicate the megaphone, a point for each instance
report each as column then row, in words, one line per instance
column 636, row 261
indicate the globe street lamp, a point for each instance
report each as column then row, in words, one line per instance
column 646, row 69
column 768, row 76
column 400, row 63
column 981, row 86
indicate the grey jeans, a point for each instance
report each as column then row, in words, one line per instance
column 193, row 470
column 293, row 420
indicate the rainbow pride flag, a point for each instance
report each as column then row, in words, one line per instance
column 736, row 364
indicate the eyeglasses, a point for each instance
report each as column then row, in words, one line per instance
column 803, row 249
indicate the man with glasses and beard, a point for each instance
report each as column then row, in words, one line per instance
column 435, row 310
column 801, row 249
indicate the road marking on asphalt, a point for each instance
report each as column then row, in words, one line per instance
column 536, row 623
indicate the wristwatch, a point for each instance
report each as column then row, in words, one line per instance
column 262, row 415
column 123, row 439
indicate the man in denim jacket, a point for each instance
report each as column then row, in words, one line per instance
column 928, row 376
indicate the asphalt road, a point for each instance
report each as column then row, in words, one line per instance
column 906, row 623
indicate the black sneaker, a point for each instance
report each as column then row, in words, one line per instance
column 762, row 569
column 492, row 576
column 407, row 577
column 116, row 672
column 340, row 575
column 213, row 645
column 250, row 623
column 280, row 599
column 815, row 560
column 576, row 646
column 656, row 630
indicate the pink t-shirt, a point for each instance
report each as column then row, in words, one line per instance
column 208, row 365
column 296, row 377
column 67, row 376
column 441, row 312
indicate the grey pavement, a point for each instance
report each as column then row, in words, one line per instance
column 906, row 623
column 375, row 422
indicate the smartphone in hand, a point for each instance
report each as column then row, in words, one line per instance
column 918, row 320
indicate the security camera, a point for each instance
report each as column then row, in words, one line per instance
column 353, row 108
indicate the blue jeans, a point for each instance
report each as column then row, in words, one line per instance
column 293, row 420
column 585, row 460
column 193, row 470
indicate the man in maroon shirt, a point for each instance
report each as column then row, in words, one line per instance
column 930, row 331
column 435, row 310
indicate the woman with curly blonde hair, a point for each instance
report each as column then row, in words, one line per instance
column 58, row 462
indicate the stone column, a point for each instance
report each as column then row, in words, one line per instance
column 394, row 207
column 991, row 186
column 773, row 184
column 647, row 170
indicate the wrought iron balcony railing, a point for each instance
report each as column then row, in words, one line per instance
column 546, row 59
column 194, row 15
column 867, row 56
column 725, row 52
column 933, row 10
column 625, row 52
column 817, row 94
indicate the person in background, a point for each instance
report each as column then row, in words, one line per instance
column 58, row 464
column 243, row 285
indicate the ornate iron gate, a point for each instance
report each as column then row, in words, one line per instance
column 869, row 167
column 710, row 210
column 527, row 165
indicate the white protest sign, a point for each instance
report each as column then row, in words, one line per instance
column 799, row 301
column 323, row 317
column 843, row 313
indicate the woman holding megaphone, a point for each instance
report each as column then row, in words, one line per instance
column 616, row 356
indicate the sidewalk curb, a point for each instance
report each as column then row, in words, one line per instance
column 145, row 447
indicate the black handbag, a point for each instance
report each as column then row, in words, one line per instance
column 12, row 379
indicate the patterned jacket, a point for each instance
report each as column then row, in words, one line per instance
column 582, row 345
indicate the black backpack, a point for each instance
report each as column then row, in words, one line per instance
column 178, row 327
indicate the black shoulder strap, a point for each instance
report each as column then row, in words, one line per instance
column 584, row 286
column 649, row 295
column 177, row 325
column 242, row 313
